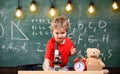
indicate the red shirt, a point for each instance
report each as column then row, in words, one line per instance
column 64, row 50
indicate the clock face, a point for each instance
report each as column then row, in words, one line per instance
column 79, row 66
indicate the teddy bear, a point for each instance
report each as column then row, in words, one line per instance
column 93, row 60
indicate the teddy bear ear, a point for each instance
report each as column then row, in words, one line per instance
column 98, row 50
column 88, row 49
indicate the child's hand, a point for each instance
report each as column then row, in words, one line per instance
column 73, row 51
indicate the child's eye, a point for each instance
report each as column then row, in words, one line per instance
column 57, row 33
column 62, row 32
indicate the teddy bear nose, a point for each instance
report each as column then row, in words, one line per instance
column 93, row 52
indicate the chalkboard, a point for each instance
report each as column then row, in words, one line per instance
column 23, row 41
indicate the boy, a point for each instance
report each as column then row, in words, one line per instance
column 59, row 29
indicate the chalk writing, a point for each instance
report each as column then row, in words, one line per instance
column 14, row 47
column 110, row 54
column 39, row 27
column 3, row 15
column 91, row 38
column 40, row 20
column 102, row 25
column 79, row 38
column 106, row 37
column 24, row 47
column 89, row 33
column 1, row 30
column 38, row 48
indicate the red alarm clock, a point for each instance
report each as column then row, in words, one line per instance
column 79, row 65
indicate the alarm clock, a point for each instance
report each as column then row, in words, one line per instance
column 79, row 65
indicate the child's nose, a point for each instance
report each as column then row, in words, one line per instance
column 60, row 35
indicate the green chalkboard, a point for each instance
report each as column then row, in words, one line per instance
column 22, row 41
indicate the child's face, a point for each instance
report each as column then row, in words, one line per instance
column 59, row 34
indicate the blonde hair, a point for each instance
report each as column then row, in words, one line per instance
column 59, row 22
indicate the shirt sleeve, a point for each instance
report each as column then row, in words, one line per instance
column 48, row 50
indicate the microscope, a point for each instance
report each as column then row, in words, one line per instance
column 57, row 60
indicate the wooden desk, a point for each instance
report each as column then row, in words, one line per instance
column 60, row 72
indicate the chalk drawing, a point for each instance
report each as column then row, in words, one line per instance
column 14, row 25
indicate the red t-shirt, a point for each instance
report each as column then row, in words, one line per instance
column 64, row 50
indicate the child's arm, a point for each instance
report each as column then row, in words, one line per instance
column 46, row 65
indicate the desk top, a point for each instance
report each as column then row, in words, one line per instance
column 60, row 72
